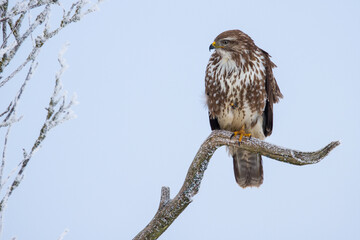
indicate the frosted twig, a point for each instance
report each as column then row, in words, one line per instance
column 170, row 209
column 3, row 9
column 10, row 53
column 57, row 112
column 23, row 8
column 12, row 172
column 63, row 234
column 10, row 117
column 6, row 110
column 15, row 27
column 74, row 14
column 15, row 34
column 4, row 156
column 12, row 120
column 31, row 57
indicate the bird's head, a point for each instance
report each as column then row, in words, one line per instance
column 232, row 41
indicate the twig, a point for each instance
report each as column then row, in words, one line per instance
column 19, row 10
column 57, row 112
column 170, row 209
column 14, row 36
column 70, row 16
column 63, row 234
column 4, row 158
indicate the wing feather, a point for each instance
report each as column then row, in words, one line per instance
column 214, row 124
column 273, row 95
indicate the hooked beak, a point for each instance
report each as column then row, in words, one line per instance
column 212, row 46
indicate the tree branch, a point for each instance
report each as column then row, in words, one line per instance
column 15, row 34
column 170, row 209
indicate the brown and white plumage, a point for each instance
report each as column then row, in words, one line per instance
column 241, row 90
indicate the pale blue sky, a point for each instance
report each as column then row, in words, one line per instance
column 138, row 70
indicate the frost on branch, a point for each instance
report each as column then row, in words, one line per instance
column 63, row 234
column 58, row 111
column 170, row 209
column 14, row 19
column 18, row 27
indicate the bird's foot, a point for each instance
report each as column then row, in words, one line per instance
column 241, row 133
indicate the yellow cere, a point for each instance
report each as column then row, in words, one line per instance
column 216, row 46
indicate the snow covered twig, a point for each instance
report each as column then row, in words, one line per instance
column 77, row 10
column 63, row 234
column 58, row 111
column 15, row 33
column 170, row 209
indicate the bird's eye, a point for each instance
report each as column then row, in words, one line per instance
column 225, row 42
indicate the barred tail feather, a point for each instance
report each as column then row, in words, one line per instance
column 248, row 168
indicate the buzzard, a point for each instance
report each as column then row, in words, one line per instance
column 240, row 92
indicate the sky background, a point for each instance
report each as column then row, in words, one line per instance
column 138, row 70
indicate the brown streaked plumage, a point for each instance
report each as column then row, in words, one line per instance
column 241, row 90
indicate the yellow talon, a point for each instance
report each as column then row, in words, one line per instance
column 241, row 133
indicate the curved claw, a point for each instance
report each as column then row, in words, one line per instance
column 241, row 133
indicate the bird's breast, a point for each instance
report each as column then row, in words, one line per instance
column 234, row 96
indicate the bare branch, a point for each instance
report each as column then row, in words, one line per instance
column 165, row 197
column 57, row 112
column 10, row 52
column 6, row 111
column 15, row 28
column 3, row 10
column 15, row 34
column 10, row 117
column 20, row 9
column 4, row 157
column 170, row 209
column 7, row 52
column 63, row 234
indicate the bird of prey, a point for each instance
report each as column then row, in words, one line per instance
column 240, row 92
